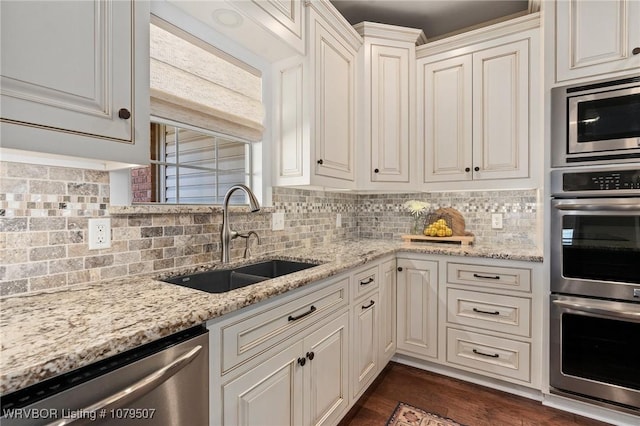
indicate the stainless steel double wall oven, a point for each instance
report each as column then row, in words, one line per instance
column 595, row 285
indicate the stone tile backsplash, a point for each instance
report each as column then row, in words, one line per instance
column 44, row 214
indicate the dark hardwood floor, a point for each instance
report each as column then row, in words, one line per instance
column 466, row 403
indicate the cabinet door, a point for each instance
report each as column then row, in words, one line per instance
column 596, row 37
column 326, row 377
column 67, row 66
column 501, row 112
column 334, row 103
column 387, row 323
column 418, row 307
column 389, row 114
column 445, row 88
column 365, row 314
column 270, row 394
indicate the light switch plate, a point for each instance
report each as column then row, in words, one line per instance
column 338, row 220
column 496, row 221
column 277, row 221
column 99, row 233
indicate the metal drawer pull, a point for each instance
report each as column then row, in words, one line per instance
column 369, row 305
column 367, row 282
column 495, row 277
column 310, row 311
column 477, row 352
column 486, row 312
column 136, row 390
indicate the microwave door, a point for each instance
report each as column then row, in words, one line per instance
column 605, row 121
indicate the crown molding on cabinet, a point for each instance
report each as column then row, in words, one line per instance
column 331, row 15
column 523, row 23
column 391, row 32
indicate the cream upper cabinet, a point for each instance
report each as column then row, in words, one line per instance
column 388, row 113
column 594, row 38
column 476, row 115
column 75, row 78
column 315, row 105
column 478, row 108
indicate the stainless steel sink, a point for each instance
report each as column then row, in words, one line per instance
column 223, row 280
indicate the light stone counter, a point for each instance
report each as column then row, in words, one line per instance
column 49, row 333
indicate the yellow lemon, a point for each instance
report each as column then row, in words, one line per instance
column 449, row 232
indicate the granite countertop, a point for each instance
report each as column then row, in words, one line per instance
column 48, row 333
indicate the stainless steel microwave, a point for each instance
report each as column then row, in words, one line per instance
column 596, row 123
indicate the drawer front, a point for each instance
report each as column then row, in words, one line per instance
column 491, row 354
column 262, row 330
column 505, row 314
column 365, row 281
column 517, row 279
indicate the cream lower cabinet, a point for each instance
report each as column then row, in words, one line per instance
column 305, row 384
column 482, row 316
column 417, row 307
column 387, row 325
column 75, row 78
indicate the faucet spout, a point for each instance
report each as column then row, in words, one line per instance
column 226, row 233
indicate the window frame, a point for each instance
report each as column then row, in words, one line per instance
column 160, row 177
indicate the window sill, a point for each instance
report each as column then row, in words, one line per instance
column 178, row 209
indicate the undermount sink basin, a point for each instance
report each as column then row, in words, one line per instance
column 274, row 268
column 223, row 280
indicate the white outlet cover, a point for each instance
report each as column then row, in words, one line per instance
column 99, row 233
column 338, row 220
column 277, row 221
column 496, row 221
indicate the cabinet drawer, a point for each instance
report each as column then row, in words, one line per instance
column 495, row 355
column 517, row 279
column 365, row 281
column 495, row 312
column 264, row 329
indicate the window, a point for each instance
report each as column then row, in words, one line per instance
column 192, row 166
column 207, row 110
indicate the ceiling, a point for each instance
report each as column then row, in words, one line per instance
column 435, row 17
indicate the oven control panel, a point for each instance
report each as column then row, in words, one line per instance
column 602, row 182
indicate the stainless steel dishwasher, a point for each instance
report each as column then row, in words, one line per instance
column 165, row 382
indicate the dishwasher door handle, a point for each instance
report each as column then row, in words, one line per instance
column 136, row 390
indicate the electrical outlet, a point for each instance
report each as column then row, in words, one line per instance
column 338, row 220
column 496, row 221
column 277, row 221
column 99, row 233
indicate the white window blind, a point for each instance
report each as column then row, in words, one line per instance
column 194, row 85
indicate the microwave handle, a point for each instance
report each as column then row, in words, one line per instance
column 600, row 207
column 635, row 316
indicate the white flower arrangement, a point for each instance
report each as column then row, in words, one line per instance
column 417, row 208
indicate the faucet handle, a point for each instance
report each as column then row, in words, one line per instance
column 247, row 251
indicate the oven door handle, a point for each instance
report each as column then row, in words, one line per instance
column 598, row 207
column 635, row 316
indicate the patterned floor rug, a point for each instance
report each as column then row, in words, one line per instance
column 408, row 415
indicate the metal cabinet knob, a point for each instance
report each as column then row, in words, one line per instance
column 376, row 171
column 467, row 169
column 310, row 355
column 124, row 113
column 636, row 50
column 399, row 268
column 302, row 361
column 477, row 169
